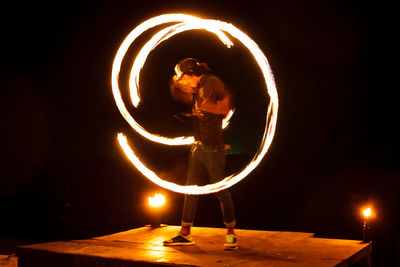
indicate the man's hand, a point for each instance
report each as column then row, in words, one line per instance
column 180, row 92
column 182, row 84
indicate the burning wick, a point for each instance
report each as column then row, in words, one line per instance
column 367, row 213
column 157, row 201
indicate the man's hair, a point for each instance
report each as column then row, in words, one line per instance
column 191, row 66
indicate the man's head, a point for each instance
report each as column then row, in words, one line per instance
column 188, row 74
column 191, row 66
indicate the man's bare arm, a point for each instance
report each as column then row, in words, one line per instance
column 217, row 107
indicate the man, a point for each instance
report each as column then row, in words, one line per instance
column 211, row 103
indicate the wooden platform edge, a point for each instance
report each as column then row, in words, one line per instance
column 30, row 257
column 362, row 258
column 94, row 251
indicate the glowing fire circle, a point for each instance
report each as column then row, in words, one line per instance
column 185, row 23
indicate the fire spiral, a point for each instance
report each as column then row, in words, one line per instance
column 183, row 22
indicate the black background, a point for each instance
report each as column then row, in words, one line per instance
column 64, row 176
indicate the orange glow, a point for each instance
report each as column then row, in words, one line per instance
column 367, row 212
column 156, row 201
column 183, row 23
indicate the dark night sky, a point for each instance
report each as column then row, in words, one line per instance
column 336, row 145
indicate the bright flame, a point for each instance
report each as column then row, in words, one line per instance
column 227, row 119
column 187, row 23
column 157, row 200
column 367, row 212
column 184, row 23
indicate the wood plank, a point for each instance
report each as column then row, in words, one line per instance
column 256, row 248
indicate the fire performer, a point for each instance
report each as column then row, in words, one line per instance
column 193, row 84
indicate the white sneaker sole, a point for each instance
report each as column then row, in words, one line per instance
column 230, row 247
column 179, row 244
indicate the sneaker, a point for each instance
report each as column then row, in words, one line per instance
column 179, row 240
column 230, row 242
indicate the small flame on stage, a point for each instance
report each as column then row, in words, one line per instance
column 156, row 201
column 367, row 212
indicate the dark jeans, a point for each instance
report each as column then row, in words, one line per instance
column 205, row 161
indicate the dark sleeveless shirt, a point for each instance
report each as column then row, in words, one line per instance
column 208, row 127
column 208, row 130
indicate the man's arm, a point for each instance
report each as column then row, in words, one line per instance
column 217, row 99
column 221, row 107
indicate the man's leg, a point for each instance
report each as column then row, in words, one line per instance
column 215, row 163
column 195, row 172
column 228, row 213
column 227, row 208
column 188, row 213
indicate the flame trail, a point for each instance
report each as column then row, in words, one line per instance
column 185, row 23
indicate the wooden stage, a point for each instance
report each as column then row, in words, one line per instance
column 143, row 247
